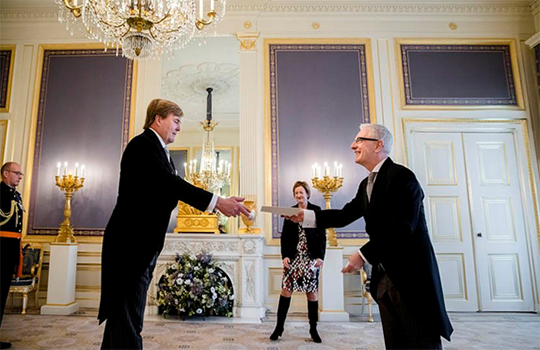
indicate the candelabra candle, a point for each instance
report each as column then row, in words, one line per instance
column 327, row 186
column 68, row 184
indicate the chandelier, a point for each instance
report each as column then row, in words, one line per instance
column 212, row 173
column 143, row 28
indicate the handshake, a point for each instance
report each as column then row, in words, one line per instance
column 233, row 206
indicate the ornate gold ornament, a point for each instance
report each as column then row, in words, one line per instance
column 252, row 219
column 327, row 185
column 452, row 26
column 68, row 184
column 315, row 25
column 247, row 24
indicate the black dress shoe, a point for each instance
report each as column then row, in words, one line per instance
column 5, row 345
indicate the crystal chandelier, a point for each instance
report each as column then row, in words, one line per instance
column 212, row 173
column 143, row 28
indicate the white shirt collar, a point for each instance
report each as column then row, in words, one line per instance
column 159, row 138
column 379, row 166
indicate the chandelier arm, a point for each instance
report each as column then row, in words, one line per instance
column 200, row 23
column 75, row 10
column 164, row 18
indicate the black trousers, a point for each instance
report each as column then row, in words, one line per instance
column 403, row 329
column 125, row 323
column 9, row 249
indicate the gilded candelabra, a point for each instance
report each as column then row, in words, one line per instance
column 68, row 184
column 327, row 185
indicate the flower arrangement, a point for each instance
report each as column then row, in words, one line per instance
column 195, row 285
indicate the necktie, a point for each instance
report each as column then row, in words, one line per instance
column 370, row 182
column 168, row 153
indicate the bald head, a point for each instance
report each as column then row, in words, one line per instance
column 11, row 174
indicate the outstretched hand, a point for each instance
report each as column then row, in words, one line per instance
column 232, row 206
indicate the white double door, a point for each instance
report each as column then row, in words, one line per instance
column 475, row 214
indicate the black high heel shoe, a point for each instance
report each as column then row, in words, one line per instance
column 278, row 332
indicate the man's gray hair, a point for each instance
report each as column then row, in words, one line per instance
column 381, row 132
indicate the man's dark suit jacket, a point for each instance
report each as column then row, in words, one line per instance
column 148, row 192
column 316, row 238
column 398, row 239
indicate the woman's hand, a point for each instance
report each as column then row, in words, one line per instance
column 318, row 262
column 286, row 263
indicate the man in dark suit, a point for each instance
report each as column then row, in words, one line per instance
column 11, row 217
column 405, row 279
column 149, row 190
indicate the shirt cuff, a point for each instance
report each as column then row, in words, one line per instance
column 362, row 255
column 212, row 204
column 309, row 219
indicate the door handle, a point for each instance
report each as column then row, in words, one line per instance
column 479, row 234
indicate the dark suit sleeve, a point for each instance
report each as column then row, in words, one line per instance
column 144, row 169
column 351, row 212
column 391, row 230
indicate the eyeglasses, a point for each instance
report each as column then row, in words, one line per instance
column 18, row 173
column 360, row 139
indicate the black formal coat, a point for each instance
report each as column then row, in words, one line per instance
column 148, row 192
column 398, row 239
column 316, row 238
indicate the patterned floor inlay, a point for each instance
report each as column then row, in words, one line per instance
column 472, row 332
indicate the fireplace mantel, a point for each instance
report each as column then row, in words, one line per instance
column 240, row 256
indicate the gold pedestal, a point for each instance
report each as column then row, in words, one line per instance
column 190, row 219
column 68, row 184
column 327, row 186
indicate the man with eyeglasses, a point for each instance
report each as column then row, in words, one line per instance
column 405, row 278
column 11, row 216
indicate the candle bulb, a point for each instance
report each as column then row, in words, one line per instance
column 335, row 169
column 340, row 170
column 65, row 168
column 185, row 170
column 58, row 168
column 82, row 171
column 211, row 5
column 325, row 169
column 201, row 9
column 229, row 169
column 76, row 169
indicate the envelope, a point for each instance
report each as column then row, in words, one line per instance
column 286, row 211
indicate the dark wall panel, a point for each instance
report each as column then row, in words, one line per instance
column 84, row 110
column 458, row 75
column 319, row 97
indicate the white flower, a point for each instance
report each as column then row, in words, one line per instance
column 187, row 282
column 199, row 311
column 213, row 290
column 231, row 297
column 196, row 268
column 214, row 296
column 210, row 270
column 180, row 274
column 179, row 281
column 176, row 301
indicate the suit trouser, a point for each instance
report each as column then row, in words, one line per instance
column 9, row 249
column 402, row 329
column 125, row 323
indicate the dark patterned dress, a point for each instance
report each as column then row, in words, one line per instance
column 301, row 276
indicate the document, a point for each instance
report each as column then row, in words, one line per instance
column 287, row 211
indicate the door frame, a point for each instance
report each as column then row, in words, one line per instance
column 528, row 173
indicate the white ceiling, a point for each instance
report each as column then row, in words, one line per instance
column 187, row 73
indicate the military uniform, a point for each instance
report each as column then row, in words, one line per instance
column 11, row 217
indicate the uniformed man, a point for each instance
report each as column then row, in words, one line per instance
column 11, row 216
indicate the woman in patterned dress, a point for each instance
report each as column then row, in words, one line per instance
column 302, row 251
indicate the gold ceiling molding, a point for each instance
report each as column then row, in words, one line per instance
column 48, row 14
column 510, row 8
